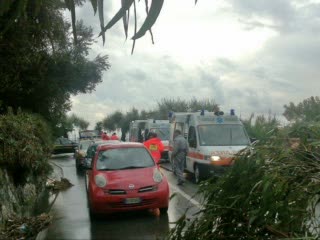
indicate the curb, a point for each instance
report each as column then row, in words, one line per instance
column 43, row 234
column 168, row 168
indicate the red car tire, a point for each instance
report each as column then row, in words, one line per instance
column 163, row 210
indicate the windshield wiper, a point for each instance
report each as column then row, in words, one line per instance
column 130, row 167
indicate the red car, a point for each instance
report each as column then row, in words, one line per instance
column 125, row 177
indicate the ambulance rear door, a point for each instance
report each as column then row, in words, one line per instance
column 193, row 142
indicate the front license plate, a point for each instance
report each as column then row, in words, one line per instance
column 132, row 200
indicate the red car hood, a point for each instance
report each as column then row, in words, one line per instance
column 121, row 179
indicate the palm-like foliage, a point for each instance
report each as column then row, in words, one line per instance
column 17, row 8
column 270, row 193
column 261, row 127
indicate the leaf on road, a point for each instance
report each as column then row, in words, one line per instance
column 173, row 195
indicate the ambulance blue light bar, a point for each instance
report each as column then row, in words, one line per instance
column 218, row 113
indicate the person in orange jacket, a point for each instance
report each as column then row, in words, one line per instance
column 104, row 136
column 155, row 146
column 114, row 137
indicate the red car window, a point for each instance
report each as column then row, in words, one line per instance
column 124, row 158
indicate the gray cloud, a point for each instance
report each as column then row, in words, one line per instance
column 285, row 15
column 285, row 69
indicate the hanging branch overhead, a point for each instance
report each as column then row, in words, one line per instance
column 118, row 15
column 98, row 5
column 151, row 18
column 101, row 18
column 125, row 18
column 72, row 8
column 135, row 24
column 94, row 5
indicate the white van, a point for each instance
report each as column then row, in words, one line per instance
column 136, row 131
column 139, row 130
column 213, row 140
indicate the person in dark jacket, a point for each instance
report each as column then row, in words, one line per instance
column 179, row 154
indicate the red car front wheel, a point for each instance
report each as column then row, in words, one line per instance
column 163, row 210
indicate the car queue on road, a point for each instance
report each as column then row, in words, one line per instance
column 125, row 176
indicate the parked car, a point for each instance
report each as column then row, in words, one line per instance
column 87, row 149
column 89, row 134
column 81, row 152
column 64, row 145
column 125, row 177
column 91, row 151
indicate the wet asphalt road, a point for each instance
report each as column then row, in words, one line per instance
column 71, row 216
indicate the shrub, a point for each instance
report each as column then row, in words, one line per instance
column 25, row 145
column 269, row 193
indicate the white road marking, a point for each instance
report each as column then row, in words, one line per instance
column 186, row 196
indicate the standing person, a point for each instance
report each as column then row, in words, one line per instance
column 155, row 146
column 105, row 136
column 114, row 136
column 179, row 154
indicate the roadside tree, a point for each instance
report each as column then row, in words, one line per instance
column 164, row 106
column 261, row 127
column 306, row 111
column 40, row 67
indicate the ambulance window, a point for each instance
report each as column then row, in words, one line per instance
column 140, row 135
column 133, row 134
column 179, row 126
column 192, row 138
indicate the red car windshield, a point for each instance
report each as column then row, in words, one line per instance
column 124, row 158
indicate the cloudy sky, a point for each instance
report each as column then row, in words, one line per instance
column 250, row 55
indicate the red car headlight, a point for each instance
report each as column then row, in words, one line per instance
column 100, row 180
column 157, row 175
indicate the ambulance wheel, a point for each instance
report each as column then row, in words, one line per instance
column 197, row 174
column 163, row 210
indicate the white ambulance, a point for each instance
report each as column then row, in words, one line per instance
column 214, row 139
column 139, row 130
column 136, row 131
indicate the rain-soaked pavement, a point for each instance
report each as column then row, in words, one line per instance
column 71, row 216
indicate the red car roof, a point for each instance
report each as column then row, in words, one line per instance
column 118, row 144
